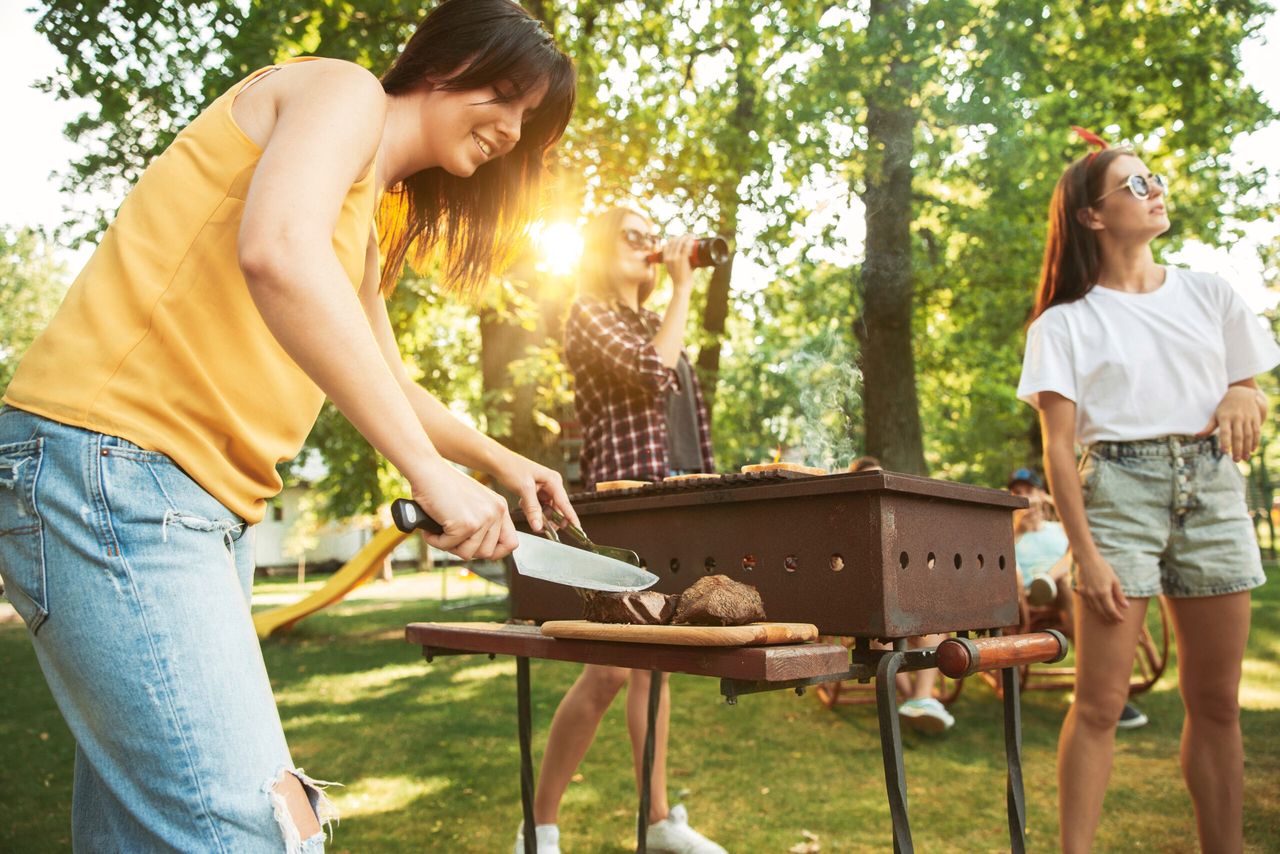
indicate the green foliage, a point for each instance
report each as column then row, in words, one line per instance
column 719, row 114
column 998, row 85
column 32, row 283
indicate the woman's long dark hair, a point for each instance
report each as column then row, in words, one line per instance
column 1072, row 257
column 474, row 225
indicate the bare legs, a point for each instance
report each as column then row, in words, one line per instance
column 1104, row 660
column 637, row 722
column 574, row 728
column 1211, row 634
column 1209, row 663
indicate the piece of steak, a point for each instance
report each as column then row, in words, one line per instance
column 718, row 600
column 642, row 608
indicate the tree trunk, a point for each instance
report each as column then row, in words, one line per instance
column 886, row 283
column 716, row 310
column 506, row 338
column 501, row 343
column 714, row 315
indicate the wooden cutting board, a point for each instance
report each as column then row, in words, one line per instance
column 755, row 634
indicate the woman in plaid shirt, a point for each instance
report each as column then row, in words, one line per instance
column 638, row 399
column 643, row 418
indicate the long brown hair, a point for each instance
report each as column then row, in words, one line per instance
column 600, row 250
column 474, row 225
column 1072, row 257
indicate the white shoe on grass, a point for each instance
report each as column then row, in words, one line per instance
column 673, row 835
column 546, row 835
column 926, row 714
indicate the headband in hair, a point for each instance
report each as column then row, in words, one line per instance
column 1091, row 138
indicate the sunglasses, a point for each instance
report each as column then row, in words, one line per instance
column 1140, row 187
column 638, row 239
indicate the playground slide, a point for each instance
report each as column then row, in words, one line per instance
column 364, row 565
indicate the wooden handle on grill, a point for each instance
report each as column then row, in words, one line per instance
column 960, row 657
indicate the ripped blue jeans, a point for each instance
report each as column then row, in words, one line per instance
column 134, row 584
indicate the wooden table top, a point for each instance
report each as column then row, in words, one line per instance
column 778, row 663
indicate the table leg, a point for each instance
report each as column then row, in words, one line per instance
column 525, row 727
column 646, row 771
column 1013, row 757
column 895, row 777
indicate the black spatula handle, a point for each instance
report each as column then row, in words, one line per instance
column 409, row 516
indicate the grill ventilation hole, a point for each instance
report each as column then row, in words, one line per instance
column 1001, row 562
column 790, row 563
column 837, row 562
column 675, row 564
column 981, row 562
column 958, row 561
column 904, row 559
column 930, row 560
column 709, row 564
column 748, row 563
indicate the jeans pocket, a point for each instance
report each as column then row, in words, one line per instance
column 1090, row 470
column 149, row 498
column 22, row 532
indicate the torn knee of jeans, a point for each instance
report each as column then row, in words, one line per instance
column 325, row 812
column 197, row 523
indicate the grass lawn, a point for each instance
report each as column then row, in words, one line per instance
column 429, row 758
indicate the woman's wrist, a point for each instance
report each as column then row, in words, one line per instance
column 423, row 468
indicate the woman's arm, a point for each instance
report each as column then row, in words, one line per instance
column 1096, row 582
column 327, row 126
column 669, row 341
column 595, row 334
column 533, row 483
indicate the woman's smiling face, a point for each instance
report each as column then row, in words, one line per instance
column 470, row 127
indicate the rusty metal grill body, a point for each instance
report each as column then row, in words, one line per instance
column 870, row 554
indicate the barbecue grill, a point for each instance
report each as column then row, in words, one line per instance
column 869, row 554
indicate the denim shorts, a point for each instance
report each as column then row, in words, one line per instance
column 134, row 584
column 1169, row 515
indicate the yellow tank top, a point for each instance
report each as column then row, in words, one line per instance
column 158, row 340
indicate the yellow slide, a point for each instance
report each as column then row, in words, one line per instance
column 366, row 563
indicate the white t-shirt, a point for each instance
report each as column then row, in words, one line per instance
column 1140, row 366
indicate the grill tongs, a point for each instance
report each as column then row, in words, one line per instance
column 579, row 536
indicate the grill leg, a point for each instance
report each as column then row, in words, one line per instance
column 1013, row 756
column 525, row 727
column 895, row 777
column 646, row 771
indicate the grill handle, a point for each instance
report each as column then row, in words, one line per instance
column 960, row 657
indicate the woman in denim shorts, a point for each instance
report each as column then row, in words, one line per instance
column 239, row 285
column 1150, row 369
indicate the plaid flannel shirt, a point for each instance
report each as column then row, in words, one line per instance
column 621, row 389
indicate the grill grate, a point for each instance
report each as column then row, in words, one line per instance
column 697, row 484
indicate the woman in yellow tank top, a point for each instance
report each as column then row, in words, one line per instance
column 238, row 286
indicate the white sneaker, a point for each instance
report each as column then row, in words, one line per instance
column 547, row 837
column 673, row 835
column 926, row 715
column 1042, row 590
